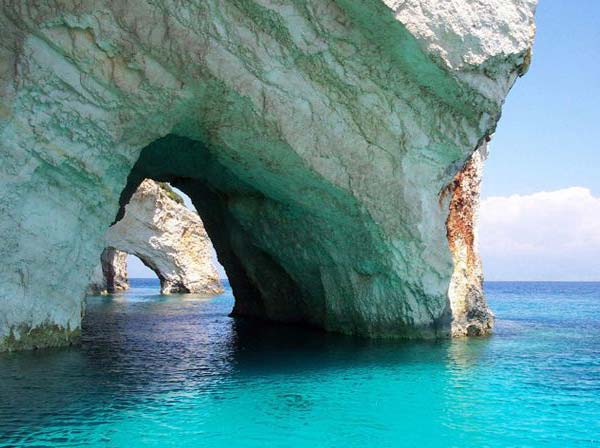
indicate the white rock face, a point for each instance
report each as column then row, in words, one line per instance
column 167, row 237
column 317, row 139
column 475, row 40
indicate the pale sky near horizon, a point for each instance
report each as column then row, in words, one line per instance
column 540, row 215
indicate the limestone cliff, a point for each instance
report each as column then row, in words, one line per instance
column 316, row 138
column 167, row 237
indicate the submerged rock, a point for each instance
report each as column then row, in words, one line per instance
column 167, row 237
column 320, row 142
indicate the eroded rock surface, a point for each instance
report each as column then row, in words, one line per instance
column 167, row 237
column 471, row 315
column 315, row 138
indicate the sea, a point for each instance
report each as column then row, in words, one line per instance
column 178, row 371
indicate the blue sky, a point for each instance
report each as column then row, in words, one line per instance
column 548, row 136
column 540, row 216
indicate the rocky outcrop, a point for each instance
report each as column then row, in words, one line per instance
column 316, row 139
column 110, row 275
column 170, row 239
column 471, row 315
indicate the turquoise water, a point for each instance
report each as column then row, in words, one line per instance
column 177, row 371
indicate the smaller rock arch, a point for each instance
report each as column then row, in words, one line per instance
column 166, row 236
column 110, row 275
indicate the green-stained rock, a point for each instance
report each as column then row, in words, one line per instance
column 48, row 335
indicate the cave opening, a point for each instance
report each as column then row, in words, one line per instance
column 240, row 221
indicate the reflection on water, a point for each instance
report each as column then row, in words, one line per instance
column 176, row 370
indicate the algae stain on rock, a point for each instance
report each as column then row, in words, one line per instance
column 46, row 335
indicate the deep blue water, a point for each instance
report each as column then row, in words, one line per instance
column 177, row 371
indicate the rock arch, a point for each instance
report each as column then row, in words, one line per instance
column 317, row 140
column 110, row 275
column 159, row 229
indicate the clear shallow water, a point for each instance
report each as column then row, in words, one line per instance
column 177, row 371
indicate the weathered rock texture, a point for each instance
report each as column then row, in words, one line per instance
column 167, row 237
column 314, row 137
column 471, row 315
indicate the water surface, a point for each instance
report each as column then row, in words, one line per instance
column 163, row 371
